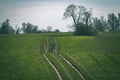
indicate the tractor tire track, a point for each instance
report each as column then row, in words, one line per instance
column 76, row 69
column 113, row 60
column 100, row 65
column 86, row 70
column 52, row 45
column 55, row 69
column 64, row 68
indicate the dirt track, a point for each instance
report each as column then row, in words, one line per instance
column 50, row 46
column 80, row 74
column 58, row 74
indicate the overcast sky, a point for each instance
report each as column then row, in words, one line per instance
column 50, row 12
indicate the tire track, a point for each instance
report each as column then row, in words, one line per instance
column 52, row 45
column 113, row 60
column 55, row 69
column 79, row 73
column 100, row 65
column 63, row 67
column 86, row 70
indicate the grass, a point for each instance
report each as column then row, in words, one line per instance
column 110, row 33
column 97, row 57
column 20, row 59
column 66, row 71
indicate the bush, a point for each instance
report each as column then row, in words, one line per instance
column 85, row 30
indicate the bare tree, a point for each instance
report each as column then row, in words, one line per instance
column 119, row 21
column 100, row 24
column 49, row 29
column 113, row 22
column 81, row 18
column 71, row 11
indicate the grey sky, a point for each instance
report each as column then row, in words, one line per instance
column 50, row 12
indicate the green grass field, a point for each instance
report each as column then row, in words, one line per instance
column 95, row 57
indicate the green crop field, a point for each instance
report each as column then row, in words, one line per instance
column 22, row 57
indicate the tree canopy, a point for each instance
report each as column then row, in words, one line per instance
column 29, row 28
column 81, row 18
column 85, row 24
column 6, row 28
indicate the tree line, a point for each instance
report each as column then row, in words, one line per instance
column 85, row 24
column 6, row 28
